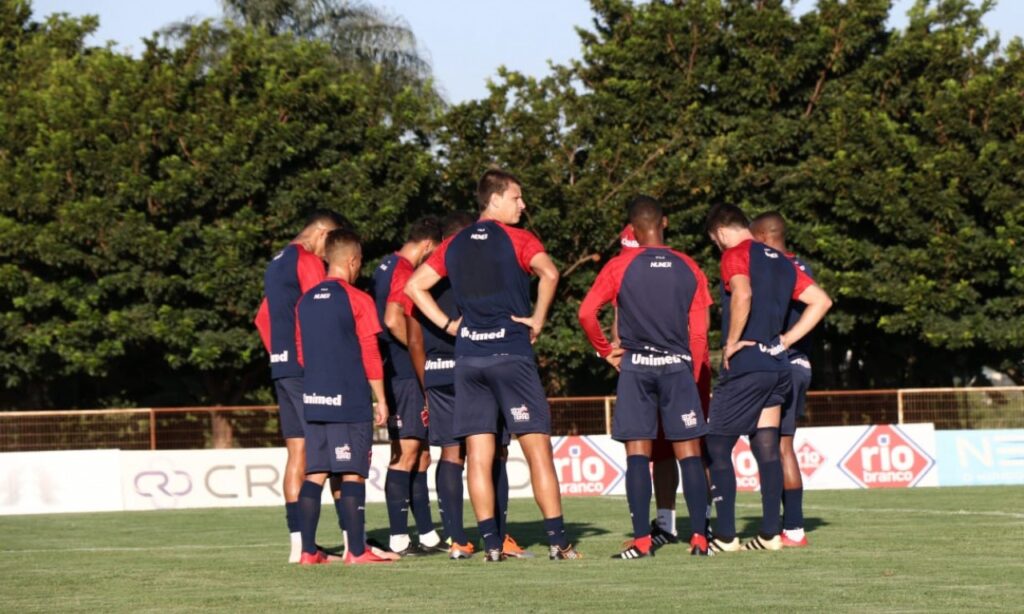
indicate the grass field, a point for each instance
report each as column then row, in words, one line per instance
column 897, row 550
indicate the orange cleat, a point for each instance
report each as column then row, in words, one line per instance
column 461, row 551
column 514, row 550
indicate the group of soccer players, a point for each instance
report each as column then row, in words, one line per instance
column 453, row 366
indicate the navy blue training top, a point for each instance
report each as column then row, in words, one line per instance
column 802, row 348
column 391, row 274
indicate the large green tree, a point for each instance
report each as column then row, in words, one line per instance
column 141, row 198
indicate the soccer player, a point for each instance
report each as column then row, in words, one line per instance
column 489, row 266
column 663, row 302
column 663, row 456
column 770, row 228
column 336, row 343
column 758, row 284
column 292, row 272
column 406, row 481
column 433, row 358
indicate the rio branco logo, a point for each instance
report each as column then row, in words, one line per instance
column 583, row 468
column 809, row 459
column 884, row 457
column 743, row 461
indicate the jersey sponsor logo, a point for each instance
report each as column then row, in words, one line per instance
column 520, row 414
column 321, row 295
column 479, row 234
column 320, row 399
column 884, row 457
column 801, row 362
column 343, row 453
column 648, row 360
column 747, row 477
column 690, row 419
column 583, row 468
column 771, row 350
column 439, row 364
column 809, row 459
column 657, row 264
column 771, row 253
column 475, row 335
column 279, row 357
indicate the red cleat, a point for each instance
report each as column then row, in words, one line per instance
column 365, row 558
column 317, row 558
column 788, row 542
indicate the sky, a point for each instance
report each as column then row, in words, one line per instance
column 465, row 40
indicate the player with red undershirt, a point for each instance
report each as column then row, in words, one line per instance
column 758, row 283
column 336, row 331
column 662, row 301
column 489, row 266
column 293, row 271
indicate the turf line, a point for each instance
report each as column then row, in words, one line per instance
column 895, row 510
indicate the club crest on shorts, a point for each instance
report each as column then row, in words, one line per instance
column 690, row 419
column 343, row 453
column 520, row 414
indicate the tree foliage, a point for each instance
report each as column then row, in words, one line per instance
column 140, row 197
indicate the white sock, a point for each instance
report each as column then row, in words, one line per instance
column 296, row 551
column 397, row 543
column 430, row 539
column 794, row 534
column 667, row 520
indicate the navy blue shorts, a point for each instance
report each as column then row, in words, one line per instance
column 405, row 406
column 738, row 400
column 492, row 389
column 800, row 374
column 289, row 407
column 441, row 400
column 339, row 447
column 644, row 395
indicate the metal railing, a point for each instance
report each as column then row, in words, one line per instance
column 168, row 428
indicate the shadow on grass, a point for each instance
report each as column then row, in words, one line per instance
column 526, row 533
column 752, row 524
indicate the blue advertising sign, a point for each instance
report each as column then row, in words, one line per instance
column 974, row 458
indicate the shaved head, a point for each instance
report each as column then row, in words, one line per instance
column 645, row 213
column 770, row 228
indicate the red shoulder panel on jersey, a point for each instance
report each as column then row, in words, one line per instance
column 735, row 261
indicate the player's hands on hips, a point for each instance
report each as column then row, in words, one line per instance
column 615, row 357
column 453, row 328
column 732, row 348
column 534, row 323
column 380, row 413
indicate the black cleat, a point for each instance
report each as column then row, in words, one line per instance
column 440, row 548
column 661, row 537
column 412, row 550
column 630, row 552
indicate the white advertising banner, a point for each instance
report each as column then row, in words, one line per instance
column 881, row 456
column 54, row 482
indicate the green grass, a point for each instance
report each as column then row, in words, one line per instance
column 900, row 550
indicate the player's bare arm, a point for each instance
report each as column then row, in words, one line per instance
column 818, row 303
column 739, row 311
column 380, row 409
column 546, row 270
column 394, row 319
column 418, row 289
column 417, row 351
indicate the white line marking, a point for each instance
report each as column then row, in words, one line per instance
column 893, row 510
column 147, row 548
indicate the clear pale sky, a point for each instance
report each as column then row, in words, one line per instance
column 466, row 40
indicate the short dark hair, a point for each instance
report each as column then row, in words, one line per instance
column 493, row 181
column 339, row 239
column 424, row 229
column 456, row 221
column 644, row 211
column 769, row 216
column 327, row 216
column 726, row 216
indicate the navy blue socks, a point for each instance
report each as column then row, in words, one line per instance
column 396, row 494
column 449, row 499
column 489, row 533
column 291, row 514
column 793, row 509
column 638, row 493
column 555, row 530
column 309, row 514
column 723, row 484
column 500, row 475
column 765, row 447
column 420, row 500
column 695, row 491
column 352, row 506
